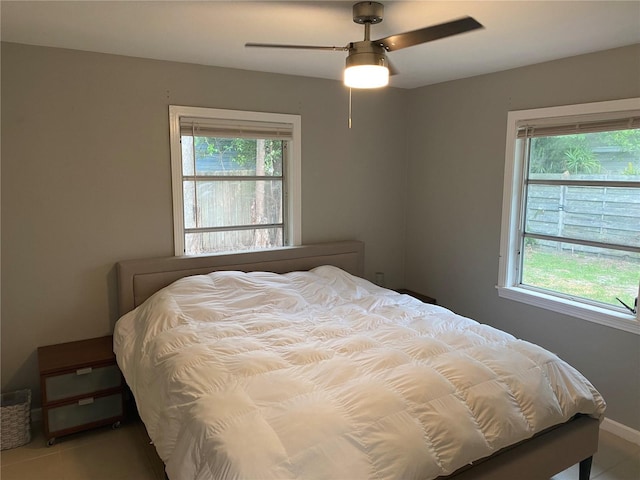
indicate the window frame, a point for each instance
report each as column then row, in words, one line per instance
column 292, row 184
column 512, row 210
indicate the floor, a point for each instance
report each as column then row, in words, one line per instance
column 125, row 453
column 100, row 454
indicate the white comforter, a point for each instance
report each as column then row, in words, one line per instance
column 321, row 374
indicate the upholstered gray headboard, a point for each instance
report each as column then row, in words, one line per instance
column 139, row 279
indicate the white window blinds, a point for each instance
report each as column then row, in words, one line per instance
column 556, row 127
column 223, row 128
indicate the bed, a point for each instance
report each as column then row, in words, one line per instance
column 287, row 364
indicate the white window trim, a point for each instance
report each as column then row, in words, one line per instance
column 512, row 198
column 293, row 178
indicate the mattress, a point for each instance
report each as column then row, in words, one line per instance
column 321, row 374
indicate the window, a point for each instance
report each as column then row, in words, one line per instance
column 571, row 211
column 236, row 180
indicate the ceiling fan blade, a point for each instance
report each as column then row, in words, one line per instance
column 428, row 34
column 296, row 47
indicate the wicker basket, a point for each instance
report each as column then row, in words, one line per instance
column 15, row 418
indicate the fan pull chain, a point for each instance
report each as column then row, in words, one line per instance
column 349, row 107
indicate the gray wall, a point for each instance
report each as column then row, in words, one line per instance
column 86, row 179
column 86, row 182
column 456, row 165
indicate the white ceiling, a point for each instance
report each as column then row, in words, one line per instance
column 214, row 33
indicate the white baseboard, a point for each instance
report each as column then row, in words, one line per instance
column 620, row 430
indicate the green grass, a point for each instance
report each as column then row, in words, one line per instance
column 582, row 275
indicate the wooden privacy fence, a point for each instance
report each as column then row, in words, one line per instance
column 602, row 214
column 232, row 204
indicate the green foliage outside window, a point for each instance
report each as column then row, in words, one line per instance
column 245, row 153
column 578, row 153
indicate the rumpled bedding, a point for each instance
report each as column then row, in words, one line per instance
column 323, row 375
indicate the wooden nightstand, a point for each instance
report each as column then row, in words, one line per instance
column 419, row 296
column 82, row 386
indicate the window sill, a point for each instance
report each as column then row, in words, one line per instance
column 621, row 321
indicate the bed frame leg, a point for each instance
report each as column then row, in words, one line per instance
column 585, row 468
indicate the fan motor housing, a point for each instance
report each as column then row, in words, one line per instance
column 366, row 53
column 368, row 12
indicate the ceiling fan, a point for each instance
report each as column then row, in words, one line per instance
column 367, row 65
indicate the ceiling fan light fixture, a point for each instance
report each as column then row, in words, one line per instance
column 366, row 66
column 366, row 76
